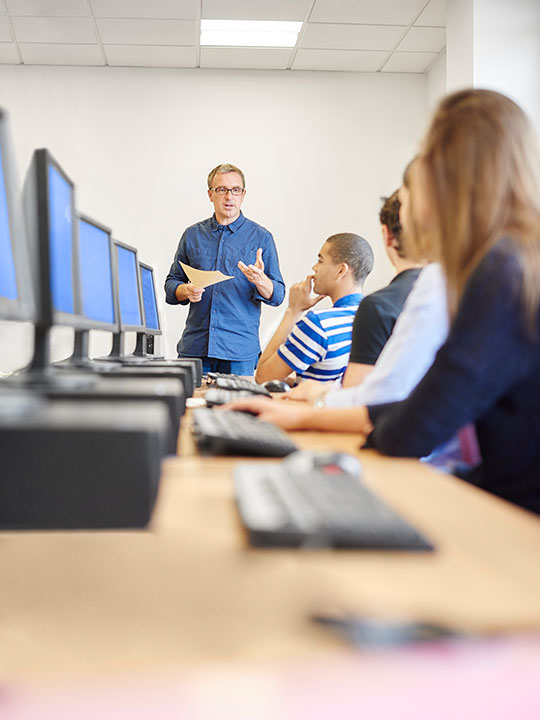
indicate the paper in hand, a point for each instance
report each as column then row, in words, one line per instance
column 204, row 278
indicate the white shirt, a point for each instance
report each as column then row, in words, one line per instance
column 420, row 330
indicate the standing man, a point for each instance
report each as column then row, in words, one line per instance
column 222, row 326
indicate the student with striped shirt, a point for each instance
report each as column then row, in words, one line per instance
column 317, row 345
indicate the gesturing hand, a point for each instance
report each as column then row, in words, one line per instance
column 255, row 274
column 300, row 298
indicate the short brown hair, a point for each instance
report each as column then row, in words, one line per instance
column 225, row 168
column 389, row 217
column 355, row 251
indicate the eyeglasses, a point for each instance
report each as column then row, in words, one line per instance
column 223, row 190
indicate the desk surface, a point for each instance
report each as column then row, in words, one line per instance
column 189, row 591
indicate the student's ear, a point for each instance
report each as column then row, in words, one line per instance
column 343, row 270
column 388, row 238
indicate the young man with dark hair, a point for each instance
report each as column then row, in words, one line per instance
column 317, row 345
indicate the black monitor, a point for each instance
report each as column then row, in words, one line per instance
column 152, row 325
column 97, row 281
column 129, row 297
column 16, row 293
column 49, row 199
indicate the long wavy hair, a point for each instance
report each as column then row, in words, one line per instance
column 481, row 168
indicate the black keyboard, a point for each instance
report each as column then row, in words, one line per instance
column 219, row 396
column 225, row 432
column 237, row 383
column 318, row 500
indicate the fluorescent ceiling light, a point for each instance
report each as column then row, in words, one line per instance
column 250, row 33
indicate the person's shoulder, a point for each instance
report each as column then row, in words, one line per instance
column 254, row 226
column 198, row 226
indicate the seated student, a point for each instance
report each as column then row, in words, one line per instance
column 378, row 312
column 391, row 350
column 474, row 199
column 318, row 344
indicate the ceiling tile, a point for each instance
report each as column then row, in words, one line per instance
column 255, row 9
column 351, row 37
column 376, row 12
column 53, row 30
column 5, row 35
column 47, row 8
column 353, row 60
column 434, row 14
column 180, row 9
column 415, row 62
column 151, row 56
column 423, row 39
column 245, row 58
column 8, row 54
column 148, row 32
column 45, row 54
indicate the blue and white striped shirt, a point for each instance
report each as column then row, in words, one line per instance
column 320, row 343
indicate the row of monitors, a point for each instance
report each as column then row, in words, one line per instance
column 62, row 268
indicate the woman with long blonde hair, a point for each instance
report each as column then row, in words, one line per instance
column 473, row 202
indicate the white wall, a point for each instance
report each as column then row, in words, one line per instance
column 436, row 81
column 318, row 151
column 507, row 51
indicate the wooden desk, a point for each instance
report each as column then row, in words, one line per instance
column 189, row 591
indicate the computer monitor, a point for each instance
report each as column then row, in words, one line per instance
column 97, row 281
column 49, row 197
column 129, row 289
column 16, row 295
column 97, row 274
column 152, row 325
column 49, row 202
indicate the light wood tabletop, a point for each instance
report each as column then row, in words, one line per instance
column 189, row 590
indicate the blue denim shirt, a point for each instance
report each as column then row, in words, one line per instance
column 225, row 323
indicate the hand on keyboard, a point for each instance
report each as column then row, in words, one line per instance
column 288, row 416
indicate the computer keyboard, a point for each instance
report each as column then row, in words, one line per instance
column 219, row 396
column 226, row 432
column 237, row 383
column 318, row 500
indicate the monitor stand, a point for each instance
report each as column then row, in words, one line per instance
column 80, row 359
column 42, row 375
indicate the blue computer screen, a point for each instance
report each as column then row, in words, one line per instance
column 95, row 273
column 130, row 312
column 8, row 282
column 149, row 299
column 61, row 241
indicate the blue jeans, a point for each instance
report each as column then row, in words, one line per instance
column 234, row 367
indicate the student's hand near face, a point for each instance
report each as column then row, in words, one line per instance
column 255, row 274
column 300, row 297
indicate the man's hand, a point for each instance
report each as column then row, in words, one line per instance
column 187, row 291
column 300, row 298
column 255, row 274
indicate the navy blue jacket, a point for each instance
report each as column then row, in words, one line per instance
column 487, row 372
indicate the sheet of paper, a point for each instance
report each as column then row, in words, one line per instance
column 204, row 278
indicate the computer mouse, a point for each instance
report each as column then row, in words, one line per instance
column 276, row 386
column 331, row 463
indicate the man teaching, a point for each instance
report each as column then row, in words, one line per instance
column 222, row 327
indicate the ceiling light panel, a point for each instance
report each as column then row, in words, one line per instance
column 249, row 33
